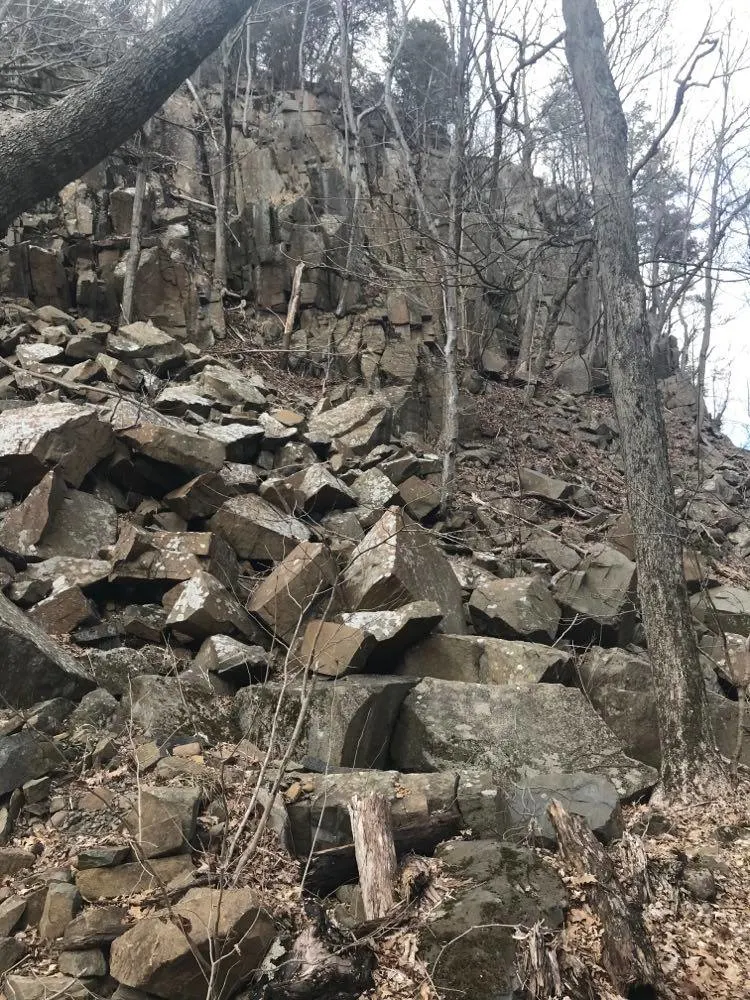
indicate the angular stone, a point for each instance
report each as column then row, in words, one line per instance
column 517, row 608
column 723, row 609
column 397, row 562
column 198, row 498
column 317, row 491
column 521, row 730
column 477, row 659
column 14, row 859
column 471, row 945
column 537, row 484
column 177, row 400
column 114, row 669
column 275, row 434
column 164, row 820
column 228, row 925
column 64, row 612
column 188, row 451
column 61, row 905
column 374, row 492
column 172, row 555
column 202, row 606
column 96, row 927
column 165, row 708
column 591, row 796
column 420, row 498
column 545, row 546
column 599, row 597
column 358, row 424
column 30, row 355
column 11, row 953
column 36, row 438
column 256, row 530
column 232, row 660
column 143, row 342
column 82, row 964
column 23, row 527
column 64, row 571
column 348, row 723
column 366, row 639
column 333, row 649
column 102, row 857
column 303, row 581
column 241, row 441
column 34, row 666
column 11, row 911
column 110, row 883
column 80, row 527
column 230, row 387
column 54, row 987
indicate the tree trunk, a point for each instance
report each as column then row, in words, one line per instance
column 375, row 852
column 136, row 234
column 291, row 313
column 689, row 758
column 42, row 151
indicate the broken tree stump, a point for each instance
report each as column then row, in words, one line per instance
column 628, row 955
column 375, row 851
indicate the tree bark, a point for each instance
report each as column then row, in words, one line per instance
column 291, row 313
column 689, row 757
column 375, row 852
column 628, row 955
column 136, row 233
column 42, row 151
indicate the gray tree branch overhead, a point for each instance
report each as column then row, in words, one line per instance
column 42, row 151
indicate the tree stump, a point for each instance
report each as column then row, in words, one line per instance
column 374, row 849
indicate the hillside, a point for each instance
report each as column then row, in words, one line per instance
column 231, row 605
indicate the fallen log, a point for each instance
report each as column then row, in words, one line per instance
column 627, row 954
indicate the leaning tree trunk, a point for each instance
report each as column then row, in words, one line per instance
column 42, row 151
column 689, row 758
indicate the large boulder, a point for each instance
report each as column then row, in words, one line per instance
column 37, row 438
column 225, row 927
column 364, row 640
column 398, row 562
column 470, row 945
column 517, row 608
column 348, row 723
column 723, row 609
column 485, row 660
column 599, row 599
column 302, row 582
column 181, row 447
column 34, row 666
column 25, row 756
column 620, row 687
column 201, row 607
column 358, row 424
column 146, row 345
column 257, row 530
column 518, row 730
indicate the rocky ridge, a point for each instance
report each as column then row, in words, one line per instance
column 220, row 590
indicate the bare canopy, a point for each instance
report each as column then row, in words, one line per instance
column 42, row 151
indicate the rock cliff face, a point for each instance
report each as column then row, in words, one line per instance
column 225, row 582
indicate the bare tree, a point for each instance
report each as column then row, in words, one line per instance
column 690, row 763
column 43, row 150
